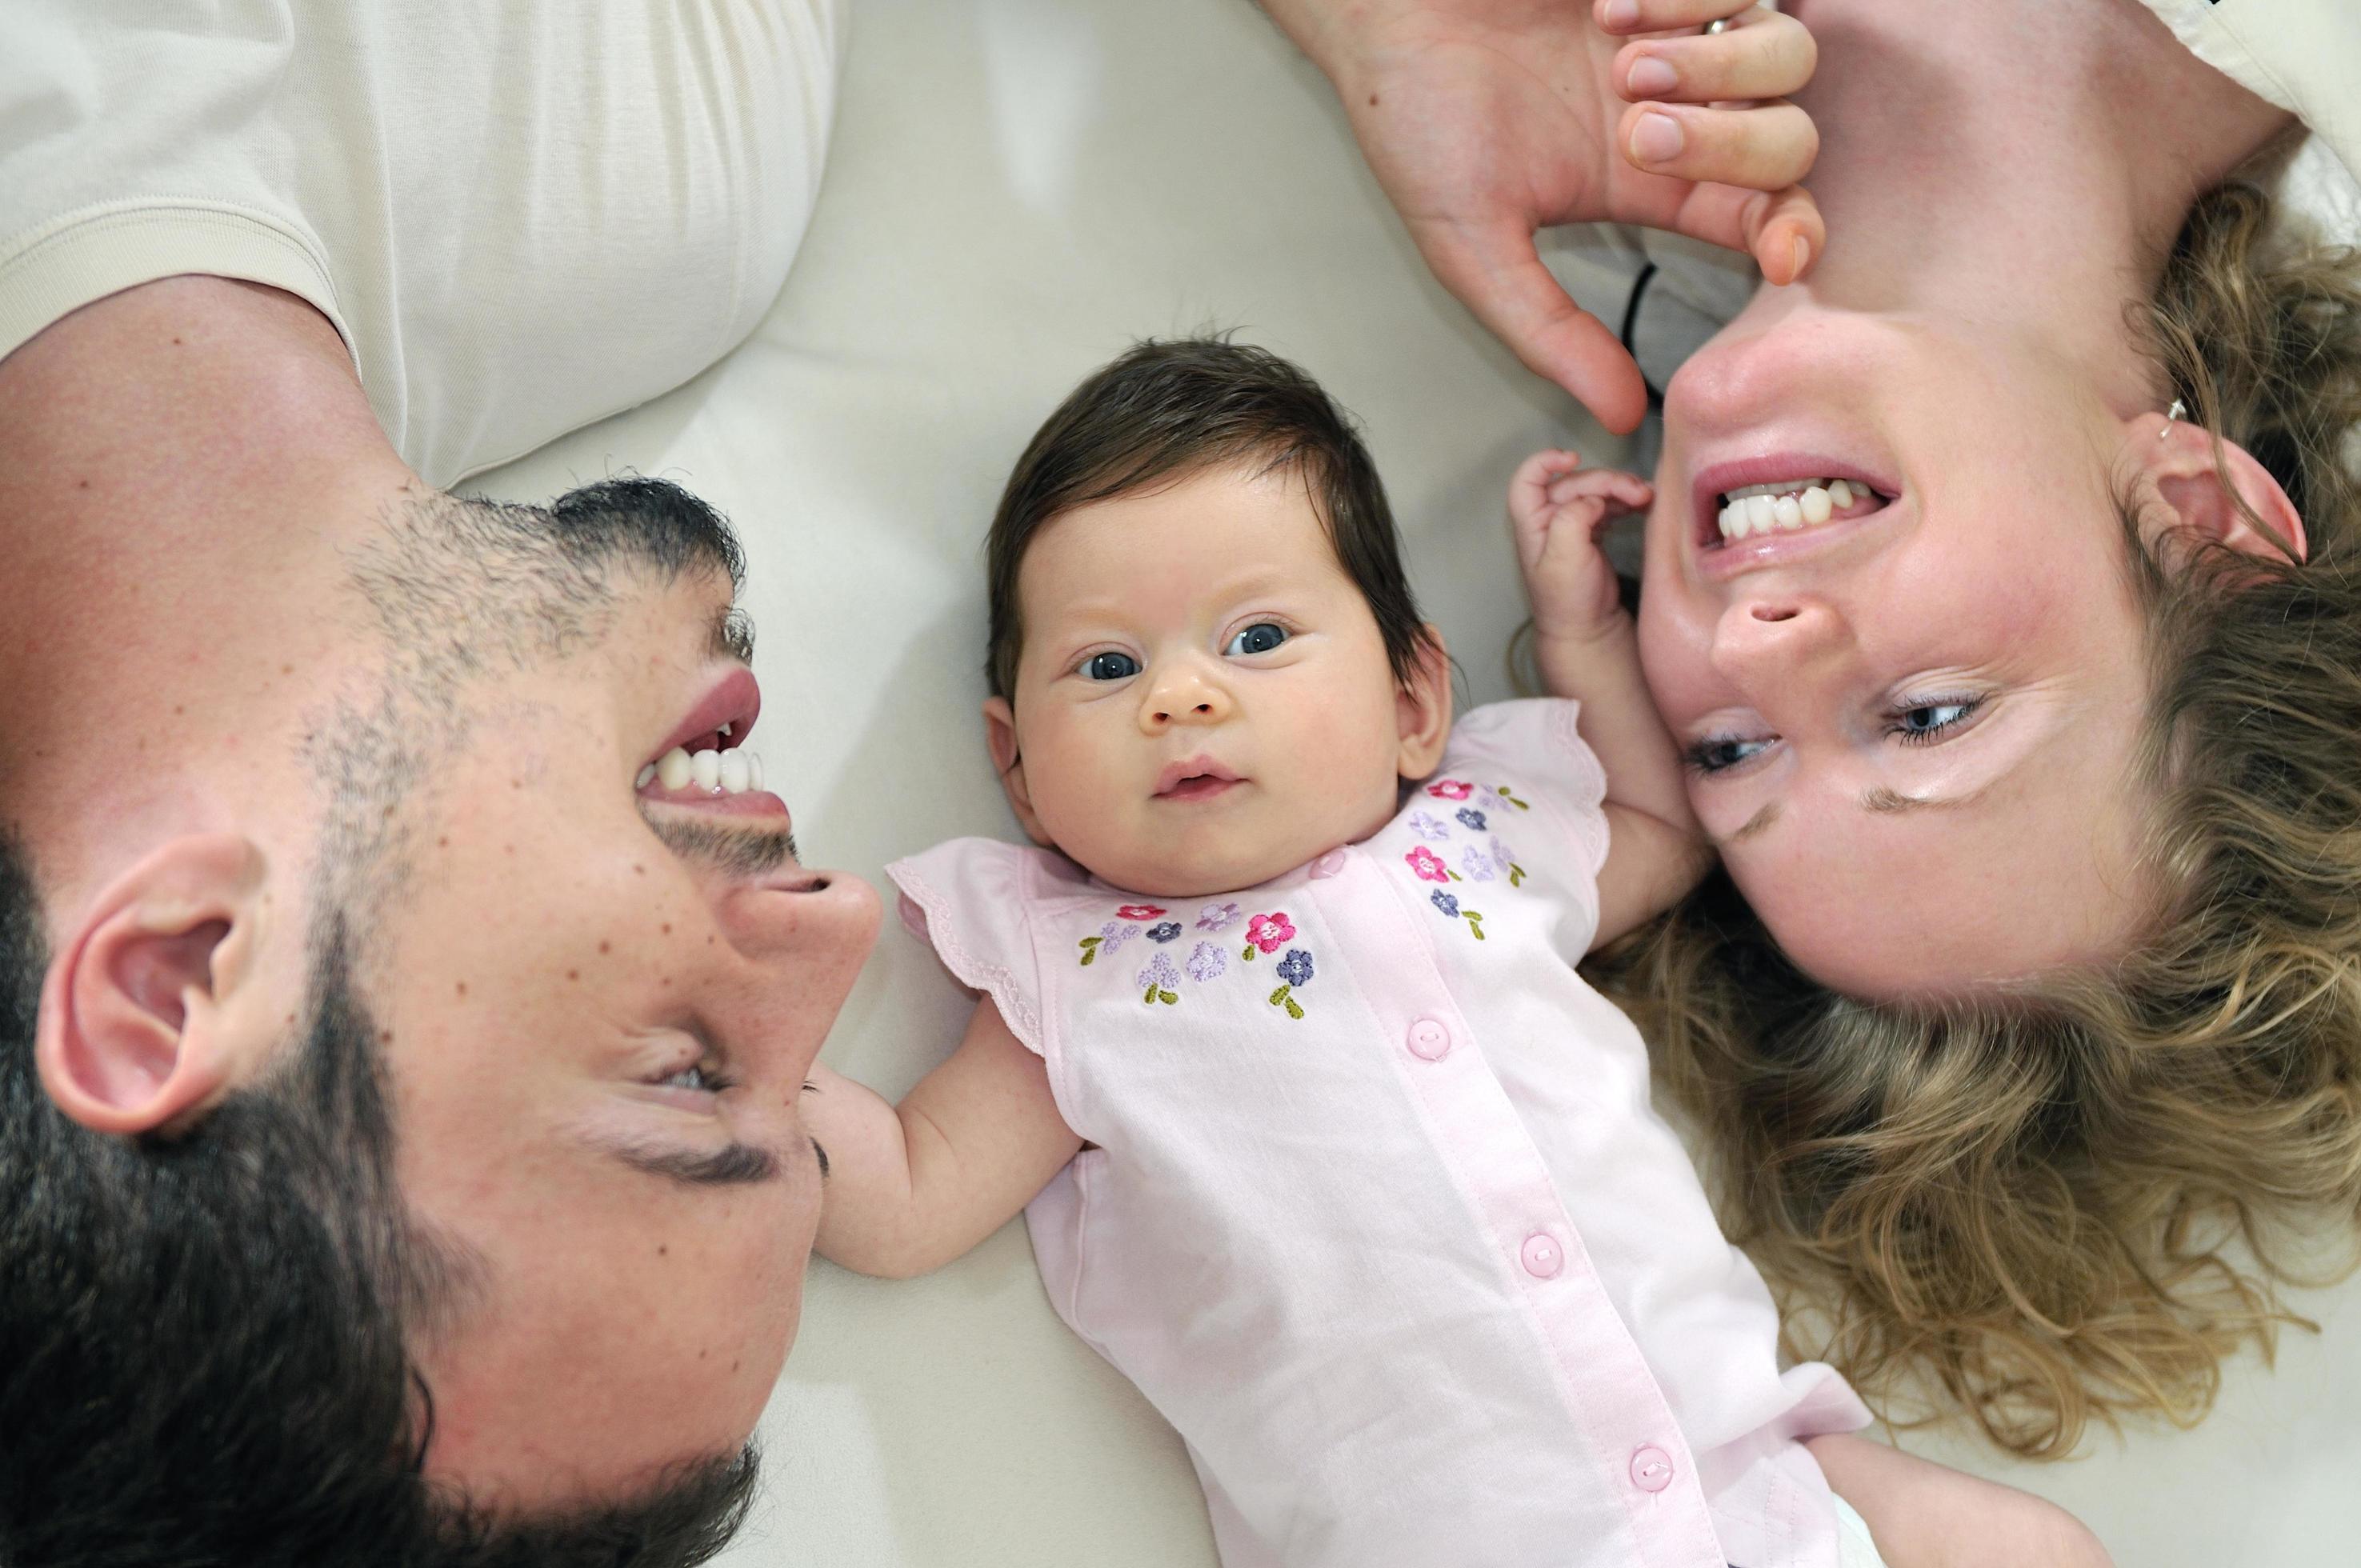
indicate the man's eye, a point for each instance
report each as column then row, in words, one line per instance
column 1110, row 667
column 1259, row 637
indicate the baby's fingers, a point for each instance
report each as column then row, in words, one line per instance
column 1614, row 491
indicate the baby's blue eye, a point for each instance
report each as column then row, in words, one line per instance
column 1259, row 637
column 1109, row 666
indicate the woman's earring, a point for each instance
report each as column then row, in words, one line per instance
column 2172, row 416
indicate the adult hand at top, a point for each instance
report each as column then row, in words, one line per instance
column 1485, row 120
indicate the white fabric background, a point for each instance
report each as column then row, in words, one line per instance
column 1020, row 188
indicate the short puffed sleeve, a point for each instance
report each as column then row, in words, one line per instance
column 976, row 901
column 1517, row 799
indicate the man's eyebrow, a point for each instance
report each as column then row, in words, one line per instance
column 740, row 1165
column 732, row 636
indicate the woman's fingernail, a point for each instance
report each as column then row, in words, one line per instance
column 1657, row 139
column 1802, row 250
column 1651, row 77
column 1619, row 13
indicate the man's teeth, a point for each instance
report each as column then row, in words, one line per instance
column 1783, row 507
column 731, row 772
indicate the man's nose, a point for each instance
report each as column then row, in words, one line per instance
column 1182, row 692
column 1775, row 637
column 800, row 939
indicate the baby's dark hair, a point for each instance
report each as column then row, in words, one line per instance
column 1165, row 411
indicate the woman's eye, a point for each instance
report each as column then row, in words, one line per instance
column 1925, row 721
column 1109, row 667
column 1259, row 637
column 698, row 1078
column 1721, row 752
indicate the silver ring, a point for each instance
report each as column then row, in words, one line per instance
column 1716, row 28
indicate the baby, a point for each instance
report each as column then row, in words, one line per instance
column 1280, row 1046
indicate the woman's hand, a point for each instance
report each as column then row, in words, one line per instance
column 1487, row 119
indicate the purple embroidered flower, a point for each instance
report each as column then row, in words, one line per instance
column 1471, row 817
column 1450, row 789
column 1159, row 972
column 1296, row 967
column 1477, row 865
column 1445, row 902
column 1114, row 934
column 1267, row 931
column 1217, row 918
column 1429, row 826
column 1501, row 854
column 1207, row 961
column 1165, row 932
column 1140, row 912
column 1426, row 864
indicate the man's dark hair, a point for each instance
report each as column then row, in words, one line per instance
column 206, row 1340
column 1167, row 410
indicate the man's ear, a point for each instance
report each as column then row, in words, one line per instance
column 150, row 1013
column 2202, row 496
column 1000, row 735
column 1422, row 707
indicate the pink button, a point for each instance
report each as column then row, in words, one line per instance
column 1543, row 1258
column 1329, row 864
column 1652, row 1469
column 1429, row 1040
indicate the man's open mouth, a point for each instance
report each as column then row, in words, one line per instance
column 705, row 758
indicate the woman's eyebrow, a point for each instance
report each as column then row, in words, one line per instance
column 738, row 1165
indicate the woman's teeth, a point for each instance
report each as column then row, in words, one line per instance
column 732, row 771
column 1783, row 507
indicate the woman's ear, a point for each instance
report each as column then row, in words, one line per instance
column 999, row 736
column 2201, row 495
column 151, row 1012
column 1422, row 707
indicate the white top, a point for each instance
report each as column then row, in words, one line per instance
column 521, row 217
column 1379, row 1214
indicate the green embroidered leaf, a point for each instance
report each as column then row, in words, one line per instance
column 1455, row 876
column 1088, row 955
column 1278, row 996
column 1292, row 1010
column 1165, row 997
column 1478, row 929
column 1093, row 941
column 1250, row 952
column 1149, row 1000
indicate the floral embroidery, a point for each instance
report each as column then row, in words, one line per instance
column 1503, row 792
column 1451, row 908
column 1139, row 911
column 1111, row 935
column 1477, row 865
column 1160, row 976
column 1294, row 972
column 1450, row 789
column 1207, row 961
column 1471, row 817
column 1427, row 865
column 1507, row 862
column 1164, row 933
column 1428, row 826
column 1217, row 918
column 1267, row 931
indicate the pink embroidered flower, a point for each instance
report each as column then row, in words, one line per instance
column 1267, row 931
column 1450, row 789
column 1428, row 864
column 1217, row 918
column 1138, row 911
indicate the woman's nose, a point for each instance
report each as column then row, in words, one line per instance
column 1774, row 635
column 1183, row 694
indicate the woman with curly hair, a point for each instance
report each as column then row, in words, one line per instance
column 2003, row 587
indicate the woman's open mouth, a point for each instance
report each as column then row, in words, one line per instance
column 1763, row 510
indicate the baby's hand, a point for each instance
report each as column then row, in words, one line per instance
column 1557, row 506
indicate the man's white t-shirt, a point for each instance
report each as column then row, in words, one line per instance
column 521, row 217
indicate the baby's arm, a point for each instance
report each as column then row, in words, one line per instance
column 1925, row 1514
column 914, row 1186
column 1588, row 649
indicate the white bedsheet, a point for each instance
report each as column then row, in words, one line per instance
column 1018, row 189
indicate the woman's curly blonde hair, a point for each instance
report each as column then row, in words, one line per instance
column 2075, row 1203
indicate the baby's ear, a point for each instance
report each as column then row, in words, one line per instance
column 1000, row 736
column 1422, row 707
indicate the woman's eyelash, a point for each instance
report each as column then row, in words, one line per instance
column 1960, row 709
column 1710, row 754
